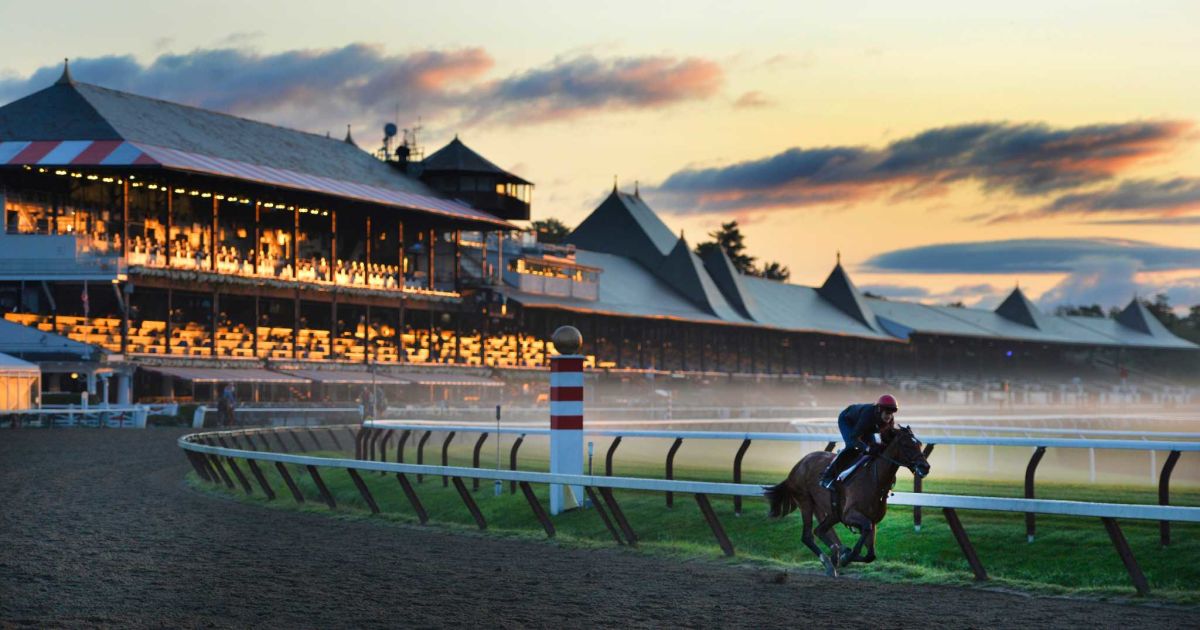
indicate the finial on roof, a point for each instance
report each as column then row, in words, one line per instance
column 349, row 138
column 66, row 78
column 636, row 190
column 839, row 257
column 681, row 237
column 614, row 183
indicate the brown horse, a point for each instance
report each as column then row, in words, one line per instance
column 861, row 500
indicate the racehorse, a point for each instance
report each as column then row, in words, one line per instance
column 860, row 501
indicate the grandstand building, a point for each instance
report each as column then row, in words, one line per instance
column 189, row 248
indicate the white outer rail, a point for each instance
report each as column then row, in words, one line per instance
column 1139, row 445
column 1039, row 506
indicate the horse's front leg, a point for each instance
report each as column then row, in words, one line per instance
column 867, row 532
column 871, row 546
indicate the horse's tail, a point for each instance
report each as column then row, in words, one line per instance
column 783, row 499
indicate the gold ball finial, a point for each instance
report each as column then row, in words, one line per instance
column 567, row 340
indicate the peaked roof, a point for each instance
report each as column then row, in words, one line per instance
column 458, row 157
column 623, row 225
column 81, row 124
column 683, row 270
column 1017, row 308
column 1139, row 318
column 840, row 291
column 728, row 280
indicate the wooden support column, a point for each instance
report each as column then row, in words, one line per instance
column 458, row 260
column 216, row 305
column 170, row 309
column 430, row 254
column 295, row 321
column 333, row 253
column 257, row 244
column 368, row 242
column 213, row 234
column 124, row 219
column 257, row 318
column 400, row 256
column 171, row 223
column 295, row 244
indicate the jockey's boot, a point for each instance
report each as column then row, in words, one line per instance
column 844, row 458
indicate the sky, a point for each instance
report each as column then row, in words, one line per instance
column 949, row 151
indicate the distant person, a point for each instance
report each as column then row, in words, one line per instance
column 860, row 426
column 226, row 404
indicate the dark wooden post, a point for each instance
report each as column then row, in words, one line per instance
column 430, row 254
column 212, row 237
column 333, row 252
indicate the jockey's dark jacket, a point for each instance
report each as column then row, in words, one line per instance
column 858, row 422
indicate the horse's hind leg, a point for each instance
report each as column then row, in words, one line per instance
column 806, row 515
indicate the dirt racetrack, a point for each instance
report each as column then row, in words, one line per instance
column 97, row 528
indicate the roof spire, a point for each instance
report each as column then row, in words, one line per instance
column 614, row 183
column 839, row 257
column 636, row 191
column 349, row 138
column 66, row 78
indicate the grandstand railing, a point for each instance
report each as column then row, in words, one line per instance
column 132, row 417
column 210, row 454
column 1039, row 445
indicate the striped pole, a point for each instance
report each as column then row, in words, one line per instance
column 566, row 419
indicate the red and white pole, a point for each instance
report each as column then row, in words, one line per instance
column 566, row 417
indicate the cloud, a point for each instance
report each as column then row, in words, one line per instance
column 568, row 88
column 1024, row 159
column 1161, row 198
column 971, row 294
column 1188, row 220
column 1103, row 281
column 326, row 88
column 304, row 87
column 1032, row 256
column 752, row 100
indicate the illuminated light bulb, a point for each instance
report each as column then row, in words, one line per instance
column 108, row 180
column 220, row 197
column 93, row 177
column 206, row 195
column 268, row 205
column 194, row 192
column 55, row 172
column 180, row 191
column 151, row 186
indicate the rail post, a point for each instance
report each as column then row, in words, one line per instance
column 608, row 457
column 566, row 416
column 917, row 485
column 475, row 458
column 1164, row 496
column 446, row 456
column 1135, row 571
column 421, row 453
column 512, row 461
column 1030, row 471
column 671, row 468
column 737, row 475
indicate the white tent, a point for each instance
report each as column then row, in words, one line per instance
column 20, row 384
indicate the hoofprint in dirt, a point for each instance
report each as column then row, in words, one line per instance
column 99, row 529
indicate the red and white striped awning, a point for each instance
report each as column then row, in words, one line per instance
column 120, row 153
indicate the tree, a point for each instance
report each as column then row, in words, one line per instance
column 774, row 271
column 550, row 230
column 1092, row 310
column 730, row 239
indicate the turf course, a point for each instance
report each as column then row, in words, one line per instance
column 1070, row 556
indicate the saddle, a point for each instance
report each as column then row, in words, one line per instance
column 849, row 472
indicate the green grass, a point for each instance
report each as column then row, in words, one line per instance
column 1070, row 556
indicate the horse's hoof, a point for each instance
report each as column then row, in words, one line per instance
column 835, row 555
column 830, row 569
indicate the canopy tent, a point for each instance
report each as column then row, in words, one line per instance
column 20, row 383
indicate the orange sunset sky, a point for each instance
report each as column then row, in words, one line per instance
column 948, row 150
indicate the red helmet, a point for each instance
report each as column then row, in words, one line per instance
column 887, row 401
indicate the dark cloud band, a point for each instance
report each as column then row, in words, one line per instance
column 1025, row 159
column 1032, row 256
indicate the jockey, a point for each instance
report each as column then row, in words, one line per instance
column 860, row 426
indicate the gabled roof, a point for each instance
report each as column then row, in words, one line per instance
column 73, row 123
column 1139, row 318
column 623, row 225
column 683, row 270
column 728, row 280
column 840, row 291
column 458, row 157
column 1017, row 308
